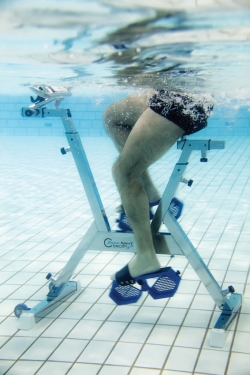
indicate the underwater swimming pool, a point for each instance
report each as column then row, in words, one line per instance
column 104, row 51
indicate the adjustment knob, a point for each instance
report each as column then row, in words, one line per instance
column 31, row 112
column 231, row 289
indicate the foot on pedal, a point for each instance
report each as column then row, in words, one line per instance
column 123, row 293
column 175, row 208
column 123, row 223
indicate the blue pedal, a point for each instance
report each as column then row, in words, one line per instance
column 124, row 295
column 176, row 207
column 165, row 287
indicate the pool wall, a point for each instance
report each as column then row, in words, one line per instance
column 87, row 114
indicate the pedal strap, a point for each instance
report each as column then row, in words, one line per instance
column 165, row 286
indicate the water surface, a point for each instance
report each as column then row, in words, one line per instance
column 196, row 46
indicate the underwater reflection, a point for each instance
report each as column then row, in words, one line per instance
column 186, row 45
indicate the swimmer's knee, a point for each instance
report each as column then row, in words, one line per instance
column 125, row 176
column 107, row 117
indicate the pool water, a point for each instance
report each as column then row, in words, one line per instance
column 105, row 50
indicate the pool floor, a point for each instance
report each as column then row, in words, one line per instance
column 44, row 214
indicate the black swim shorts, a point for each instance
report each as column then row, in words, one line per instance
column 189, row 112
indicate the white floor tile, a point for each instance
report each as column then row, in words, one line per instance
column 239, row 265
column 76, row 310
column 203, row 302
column 37, row 279
column 222, row 254
column 144, row 371
column 197, row 318
column 114, row 370
column 16, row 266
column 189, row 274
column 24, row 292
column 147, row 314
column 104, row 298
column 110, row 331
column 55, row 368
column 5, row 365
column 124, row 354
column 89, row 295
column 102, row 282
column 41, row 349
column 136, row 333
column 163, row 335
column 181, row 301
column 123, row 313
column 168, row 372
column 68, row 350
column 188, row 286
column 85, row 280
column 40, row 294
column 20, row 278
column 188, row 358
column 7, row 290
column 245, row 305
column 104, row 257
column 110, row 269
column 244, row 323
column 60, row 328
column 99, row 311
column 239, row 364
column 24, row 368
column 235, row 277
column 5, row 276
column 172, row 316
column 247, row 291
column 190, row 337
column 3, row 340
column 92, row 269
column 14, row 348
column 218, row 264
column 152, row 356
column 149, row 301
column 9, row 326
column 85, row 329
column 202, row 290
column 35, row 266
column 121, row 258
column 82, row 368
column 212, row 362
column 241, row 342
column 96, row 352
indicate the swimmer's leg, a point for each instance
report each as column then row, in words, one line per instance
column 144, row 145
column 119, row 119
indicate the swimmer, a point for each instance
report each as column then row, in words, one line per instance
column 143, row 128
